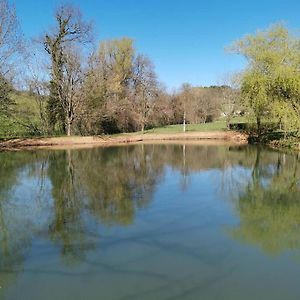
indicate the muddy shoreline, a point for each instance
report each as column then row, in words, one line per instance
column 94, row 141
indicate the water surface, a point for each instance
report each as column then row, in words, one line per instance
column 150, row 222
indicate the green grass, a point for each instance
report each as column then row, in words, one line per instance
column 219, row 125
column 25, row 112
column 214, row 126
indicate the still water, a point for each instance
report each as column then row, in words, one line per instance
column 150, row 222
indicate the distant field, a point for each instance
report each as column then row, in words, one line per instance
column 218, row 125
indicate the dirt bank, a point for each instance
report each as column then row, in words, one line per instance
column 234, row 137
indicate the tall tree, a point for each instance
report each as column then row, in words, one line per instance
column 146, row 89
column 108, row 85
column 121, row 88
column 186, row 96
column 273, row 72
column 10, row 46
column 70, row 33
column 230, row 97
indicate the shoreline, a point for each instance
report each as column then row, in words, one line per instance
column 128, row 138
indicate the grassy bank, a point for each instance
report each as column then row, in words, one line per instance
column 277, row 139
column 218, row 125
column 26, row 116
column 23, row 120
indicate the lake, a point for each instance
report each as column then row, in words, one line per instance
column 161, row 221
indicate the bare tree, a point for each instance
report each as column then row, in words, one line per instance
column 37, row 84
column 230, row 97
column 163, row 113
column 186, row 96
column 10, row 47
column 70, row 32
column 146, row 89
column 72, row 85
column 10, row 36
column 207, row 102
column 196, row 104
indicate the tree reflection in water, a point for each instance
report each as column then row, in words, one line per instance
column 63, row 196
column 268, row 205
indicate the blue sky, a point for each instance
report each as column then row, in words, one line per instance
column 185, row 39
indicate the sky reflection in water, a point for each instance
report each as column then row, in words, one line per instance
column 150, row 222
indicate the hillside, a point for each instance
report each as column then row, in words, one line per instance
column 24, row 118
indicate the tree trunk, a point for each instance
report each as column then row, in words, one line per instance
column 69, row 125
column 184, row 121
column 228, row 119
column 258, row 122
column 227, row 124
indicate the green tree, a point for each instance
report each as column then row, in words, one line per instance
column 108, row 86
column 272, row 74
column 120, row 89
column 5, row 99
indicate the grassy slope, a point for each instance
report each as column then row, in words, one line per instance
column 215, row 126
column 25, row 112
column 218, row 125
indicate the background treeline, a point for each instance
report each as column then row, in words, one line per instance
column 63, row 83
column 70, row 86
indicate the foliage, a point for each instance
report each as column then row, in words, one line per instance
column 268, row 205
column 24, row 119
column 5, row 100
column 270, row 85
column 120, row 89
